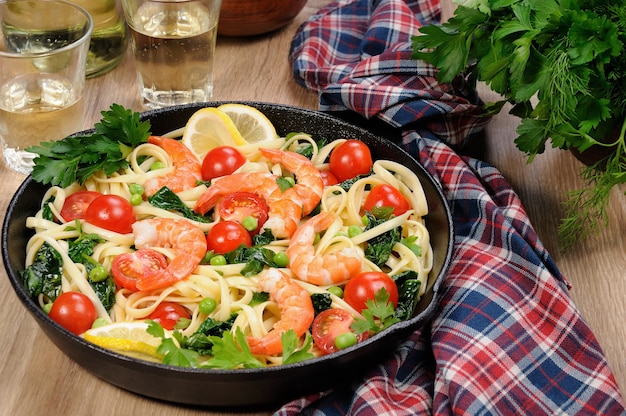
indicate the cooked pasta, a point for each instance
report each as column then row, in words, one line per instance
column 225, row 284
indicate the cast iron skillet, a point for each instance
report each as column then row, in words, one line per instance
column 246, row 387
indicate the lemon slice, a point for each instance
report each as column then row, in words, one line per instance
column 128, row 338
column 208, row 128
column 252, row 124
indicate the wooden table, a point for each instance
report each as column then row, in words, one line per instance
column 37, row 378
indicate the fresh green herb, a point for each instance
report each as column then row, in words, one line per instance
column 232, row 352
column 285, row 183
column 307, row 150
column 43, row 276
column 562, row 65
column 77, row 158
column 291, row 352
column 258, row 298
column 378, row 315
column 380, row 247
column 263, row 239
column 410, row 243
column 165, row 199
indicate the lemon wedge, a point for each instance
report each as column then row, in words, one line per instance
column 252, row 124
column 128, row 338
column 208, row 128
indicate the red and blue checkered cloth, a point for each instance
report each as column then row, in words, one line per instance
column 506, row 338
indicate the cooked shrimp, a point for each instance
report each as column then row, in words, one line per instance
column 285, row 208
column 296, row 311
column 330, row 268
column 187, row 167
column 187, row 240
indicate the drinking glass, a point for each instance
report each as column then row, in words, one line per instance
column 173, row 44
column 43, row 56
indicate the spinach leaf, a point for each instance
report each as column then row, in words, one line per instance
column 408, row 289
column 321, row 302
column 254, row 257
column 379, row 248
column 200, row 342
column 165, row 199
column 44, row 275
column 105, row 290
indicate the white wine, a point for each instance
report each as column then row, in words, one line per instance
column 36, row 108
column 108, row 40
column 173, row 45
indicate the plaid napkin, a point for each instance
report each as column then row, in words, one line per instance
column 506, row 338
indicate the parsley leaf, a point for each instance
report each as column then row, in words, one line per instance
column 378, row 315
column 77, row 158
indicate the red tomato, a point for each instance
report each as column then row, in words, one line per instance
column 168, row 313
column 220, row 161
column 239, row 205
column 129, row 267
column 349, row 159
column 328, row 178
column 74, row 311
column 226, row 236
column 365, row 285
column 111, row 212
column 387, row 196
column 328, row 325
column 75, row 205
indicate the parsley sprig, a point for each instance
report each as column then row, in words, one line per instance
column 77, row 158
column 561, row 64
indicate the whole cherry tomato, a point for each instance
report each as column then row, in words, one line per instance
column 350, row 159
column 384, row 195
column 225, row 236
column 168, row 313
column 111, row 212
column 220, row 161
column 74, row 311
column 365, row 285
column 76, row 204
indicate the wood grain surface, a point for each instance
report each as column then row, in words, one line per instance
column 37, row 378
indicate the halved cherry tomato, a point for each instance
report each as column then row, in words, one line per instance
column 74, row 311
column 129, row 267
column 328, row 178
column 384, row 195
column 349, row 159
column 239, row 205
column 328, row 325
column 75, row 205
column 226, row 236
column 168, row 313
column 111, row 212
column 220, row 161
column 365, row 285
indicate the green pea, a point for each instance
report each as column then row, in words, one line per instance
column 157, row 165
column 365, row 220
column 99, row 322
column 136, row 199
column 345, row 340
column 281, row 259
column 354, row 230
column 98, row 274
column 46, row 307
column 218, row 260
column 250, row 223
column 135, row 189
column 336, row 290
column 207, row 305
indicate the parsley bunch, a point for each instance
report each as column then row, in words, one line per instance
column 562, row 65
column 77, row 158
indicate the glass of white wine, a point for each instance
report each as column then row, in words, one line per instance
column 43, row 56
column 173, row 45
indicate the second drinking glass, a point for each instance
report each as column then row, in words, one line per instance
column 173, row 45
